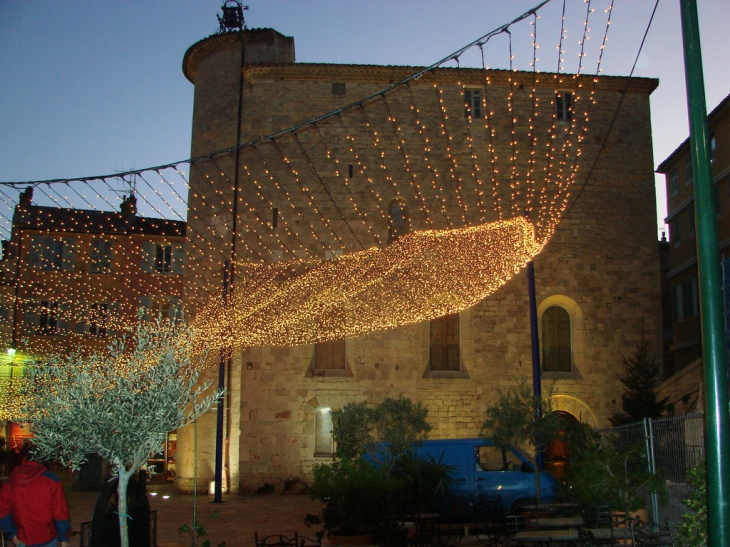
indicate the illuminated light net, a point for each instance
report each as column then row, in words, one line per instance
column 467, row 180
column 421, row 276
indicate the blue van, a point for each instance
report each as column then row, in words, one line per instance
column 478, row 467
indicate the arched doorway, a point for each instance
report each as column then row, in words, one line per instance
column 557, row 453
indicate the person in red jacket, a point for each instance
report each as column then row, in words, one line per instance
column 33, row 510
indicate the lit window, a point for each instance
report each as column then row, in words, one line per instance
column 564, row 106
column 713, row 147
column 100, row 258
column 444, row 354
column 330, row 355
column 323, row 439
column 557, row 351
column 52, row 254
column 473, row 103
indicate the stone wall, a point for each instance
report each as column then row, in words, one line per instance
column 601, row 264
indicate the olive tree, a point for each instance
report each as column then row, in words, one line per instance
column 522, row 420
column 119, row 403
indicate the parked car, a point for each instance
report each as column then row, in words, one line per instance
column 480, row 468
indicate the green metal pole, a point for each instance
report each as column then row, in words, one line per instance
column 717, row 443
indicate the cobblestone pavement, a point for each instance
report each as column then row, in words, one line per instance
column 238, row 517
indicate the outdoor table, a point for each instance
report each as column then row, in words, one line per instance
column 547, row 536
column 556, row 522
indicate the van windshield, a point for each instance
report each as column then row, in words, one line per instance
column 491, row 458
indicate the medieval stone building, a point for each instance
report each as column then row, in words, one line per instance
column 447, row 149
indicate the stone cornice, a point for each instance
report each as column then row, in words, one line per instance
column 464, row 76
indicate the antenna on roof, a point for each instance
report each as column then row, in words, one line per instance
column 129, row 183
column 232, row 19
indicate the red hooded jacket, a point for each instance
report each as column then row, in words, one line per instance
column 33, row 506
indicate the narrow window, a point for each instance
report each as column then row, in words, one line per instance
column 444, row 354
column 473, row 103
column 674, row 234
column 674, row 180
column 323, row 439
column 564, row 106
column 330, row 355
column 275, row 217
column 557, row 352
column 713, row 147
column 163, row 259
column 100, row 259
column 688, row 169
column 397, row 219
column 350, row 170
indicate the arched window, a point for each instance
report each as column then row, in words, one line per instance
column 445, row 353
column 397, row 219
column 323, row 440
column 557, row 351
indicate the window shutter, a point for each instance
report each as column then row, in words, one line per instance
column 178, row 259
column 34, row 256
column 108, row 254
column 62, row 322
column 69, row 253
column 148, row 257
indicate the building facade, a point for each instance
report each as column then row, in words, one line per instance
column 73, row 278
column 410, row 161
column 681, row 275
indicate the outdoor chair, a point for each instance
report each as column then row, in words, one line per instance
column 654, row 535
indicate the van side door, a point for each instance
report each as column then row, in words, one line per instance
column 501, row 472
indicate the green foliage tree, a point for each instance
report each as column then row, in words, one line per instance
column 119, row 403
column 385, row 431
column 607, row 476
column 693, row 529
column 521, row 420
column 640, row 376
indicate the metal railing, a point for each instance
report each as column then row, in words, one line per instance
column 672, row 447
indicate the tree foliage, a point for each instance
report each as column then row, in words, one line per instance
column 522, row 420
column 385, row 431
column 640, row 376
column 118, row 403
column 693, row 529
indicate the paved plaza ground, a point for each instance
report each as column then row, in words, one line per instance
column 238, row 517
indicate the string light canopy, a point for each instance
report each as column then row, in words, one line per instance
column 304, row 214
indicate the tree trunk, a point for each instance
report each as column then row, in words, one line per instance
column 537, row 478
column 122, row 508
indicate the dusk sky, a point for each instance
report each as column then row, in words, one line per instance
column 94, row 87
